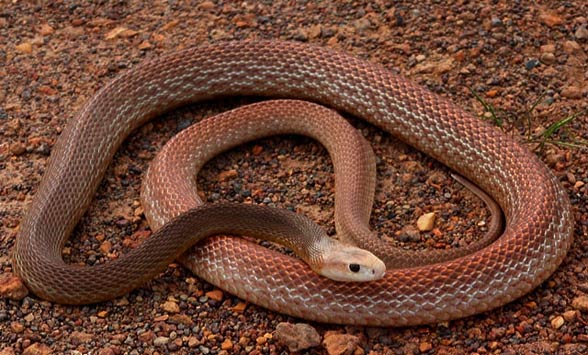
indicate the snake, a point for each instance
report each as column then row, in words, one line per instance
column 538, row 228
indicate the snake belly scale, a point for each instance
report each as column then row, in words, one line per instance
column 537, row 235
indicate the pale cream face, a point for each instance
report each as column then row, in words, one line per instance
column 351, row 264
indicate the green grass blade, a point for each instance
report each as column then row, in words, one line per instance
column 559, row 124
column 487, row 107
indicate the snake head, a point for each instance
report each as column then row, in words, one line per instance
column 349, row 263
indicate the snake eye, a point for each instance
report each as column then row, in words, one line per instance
column 354, row 267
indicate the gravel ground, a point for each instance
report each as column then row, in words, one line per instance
column 54, row 57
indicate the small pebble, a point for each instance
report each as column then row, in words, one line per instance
column 495, row 21
column 160, row 341
column 550, row 19
column 17, row 327
column 547, row 48
column 26, row 48
column 216, row 295
column 147, row 336
column 46, row 30
column 207, row 5
column 409, row 233
column 17, row 148
column 531, row 63
column 571, row 47
column 145, row 45
column 12, row 287
column 581, row 33
column 426, row 222
column 547, row 58
column 425, row 346
column 193, row 342
column 81, row 337
column 580, row 303
column 557, row 322
column 570, row 316
column 297, row 337
column 340, row 344
column 171, row 307
column 572, row 92
column 229, row 174
column 240, row 307
column 37, row 349
column 227, row 344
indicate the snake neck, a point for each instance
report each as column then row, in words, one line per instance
column 283, row 227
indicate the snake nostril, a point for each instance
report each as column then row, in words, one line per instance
column 354, row 267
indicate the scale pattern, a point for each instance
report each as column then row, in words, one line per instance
column 537, row 236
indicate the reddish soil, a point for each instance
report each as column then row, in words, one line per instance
column 55, row 57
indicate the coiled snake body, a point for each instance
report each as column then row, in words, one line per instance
column 537, row 234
